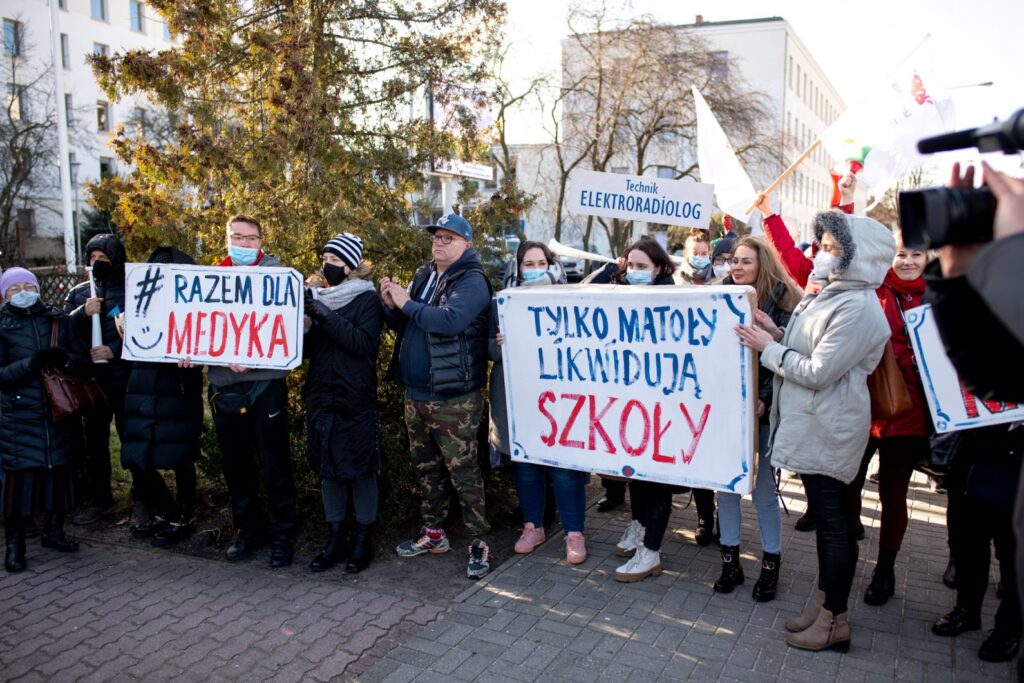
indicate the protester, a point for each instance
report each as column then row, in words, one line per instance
column 36, row 452
column 755, row 264
column 340, row 395
column 902, row 441
column 721, row 258
column 250, row 414
column 441, row 356
column 106, row 256
column 163, row 420
column 821, row 413
column 535, row 265
column 651, row 502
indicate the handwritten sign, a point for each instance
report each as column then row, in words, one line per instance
column 952, row 407
column 638, row 382
column 215, row 316
column 640, row 198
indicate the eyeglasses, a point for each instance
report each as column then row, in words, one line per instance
column 22, row 287
column 443, row 239
column 245, row 239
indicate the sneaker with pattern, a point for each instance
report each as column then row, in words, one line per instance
column 429, row 541
column 479, row 560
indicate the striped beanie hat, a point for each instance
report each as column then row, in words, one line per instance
column 347, row 247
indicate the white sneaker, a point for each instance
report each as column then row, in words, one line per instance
column 632, row 537
column 644, row 563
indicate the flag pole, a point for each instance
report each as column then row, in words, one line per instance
column 778, row 181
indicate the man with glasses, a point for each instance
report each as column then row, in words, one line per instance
column 441, row 356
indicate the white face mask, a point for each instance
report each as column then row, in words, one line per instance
column 722, row 270
column 824, row 263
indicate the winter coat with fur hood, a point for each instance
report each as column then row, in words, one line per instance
column 821, row 416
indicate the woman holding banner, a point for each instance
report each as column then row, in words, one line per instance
column 535, row 265
column 651, row 502
column 755, row 264
column 340, row 393
column 821, row 414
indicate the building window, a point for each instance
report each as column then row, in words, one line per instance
column 12, row 38
column 65, row 51
column 99, row 10
column 101, row 50
column 26, row 222
column 789, row 73
column 62, row 4
column 16, row 101
column 107, row 169
column 102, row 116
column 139, row 118
column 167, row 32
column 69, row 115
column 136, row 17
column 719, row 65
column 620, row 169
column 798, row 92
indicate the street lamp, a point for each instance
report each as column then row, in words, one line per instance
column 75, row 165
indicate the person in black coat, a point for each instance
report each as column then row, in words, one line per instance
column 163, row 420
column 340, row 394
column 36, row 452
column 106, row 255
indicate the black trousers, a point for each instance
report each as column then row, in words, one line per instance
column 704, row 499
column 262, row 430
column 837, row 545
column 651, row 504
column 96, row 428
column 614, row 488
column 150, row 488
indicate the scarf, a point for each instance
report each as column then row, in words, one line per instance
column 342, row 295
column 908, row 291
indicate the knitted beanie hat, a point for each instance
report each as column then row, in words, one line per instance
column 347, row 247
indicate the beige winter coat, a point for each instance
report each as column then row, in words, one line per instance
column 821, row 415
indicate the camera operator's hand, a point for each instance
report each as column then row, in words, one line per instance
column 1009, row 194
column 955, row 259
column 847, row 187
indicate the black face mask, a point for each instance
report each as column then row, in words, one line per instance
column 102, row 270
column 334, row 275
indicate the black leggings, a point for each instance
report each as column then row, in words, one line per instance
column 651, row 505
column 837, row 546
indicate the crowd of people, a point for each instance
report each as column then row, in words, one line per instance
column 825, row 317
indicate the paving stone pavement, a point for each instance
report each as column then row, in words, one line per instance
column 538, row 619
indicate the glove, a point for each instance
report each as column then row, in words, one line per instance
column 313, row 308
column 49, row 359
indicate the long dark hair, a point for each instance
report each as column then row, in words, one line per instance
column 659, row 257
column 527, row 246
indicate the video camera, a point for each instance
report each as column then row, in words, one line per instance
column 938, row 216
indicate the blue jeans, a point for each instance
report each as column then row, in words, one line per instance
column 569, row 494
column 769, row 518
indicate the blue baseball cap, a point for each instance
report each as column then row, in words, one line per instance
column 455, row 223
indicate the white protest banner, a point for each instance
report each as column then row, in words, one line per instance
column 952, row 407
column 639, row 382
column 640, row 198
column 213, row 315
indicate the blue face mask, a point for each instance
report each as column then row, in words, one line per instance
column 531, row 274
column 639, row 277
column 24, row 299
column 242, row 256
column 700, row 262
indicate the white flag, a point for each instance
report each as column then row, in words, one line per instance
column 718, row 163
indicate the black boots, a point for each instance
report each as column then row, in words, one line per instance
column 704, row 500
column 14, row 558
column 53, row 535
column 362, row 549
column 883, row 579
column 768, row 581
column 732, row 572
column 334, row 551
column 949, row 576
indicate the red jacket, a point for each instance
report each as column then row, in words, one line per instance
column 895, row 294
column 797, row 265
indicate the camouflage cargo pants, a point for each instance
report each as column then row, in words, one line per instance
column 443, row 441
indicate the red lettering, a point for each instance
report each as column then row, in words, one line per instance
column 179, row 341
column 564, row 440
column 633, row 403
column 236, row 328
column 196, row 351
column 658, row 433
column 971, row 404
column 597, row 428
column 546, row 397
column 254, row 334
column 278, row 337
column 695, row 431
column 223, row 327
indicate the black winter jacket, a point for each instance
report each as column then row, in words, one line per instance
column 340, row 394
column 113, row 375
column 29, row 438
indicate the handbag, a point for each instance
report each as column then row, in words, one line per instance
column 235, row 403
column 889, row 394
column 69, row 395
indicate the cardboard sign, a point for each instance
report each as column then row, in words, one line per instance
column 640, row 198
column 215, row 316
column 952, row 407
column 638, row 382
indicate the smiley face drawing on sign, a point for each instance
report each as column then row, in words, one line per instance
column 146, row 288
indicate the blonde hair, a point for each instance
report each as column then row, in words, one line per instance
column 770, row 272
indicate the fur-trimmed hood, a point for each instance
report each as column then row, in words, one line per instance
column 868, row 248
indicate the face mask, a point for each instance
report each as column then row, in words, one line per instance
column 639, row 277
column 334, row 275
column 24, row 299
column 699, row 262
column 531, row 274
column 242, row 256
column 824, row 263
column 722, row 270
column 102, row 270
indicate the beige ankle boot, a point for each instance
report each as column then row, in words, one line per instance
column 797, row 624
column 827, row 632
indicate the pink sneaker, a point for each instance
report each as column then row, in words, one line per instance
column 575, row 548
column 531, row 538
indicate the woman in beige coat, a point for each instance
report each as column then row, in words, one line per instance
column 821, row 415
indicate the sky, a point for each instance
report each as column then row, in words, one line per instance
column 974, row 42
